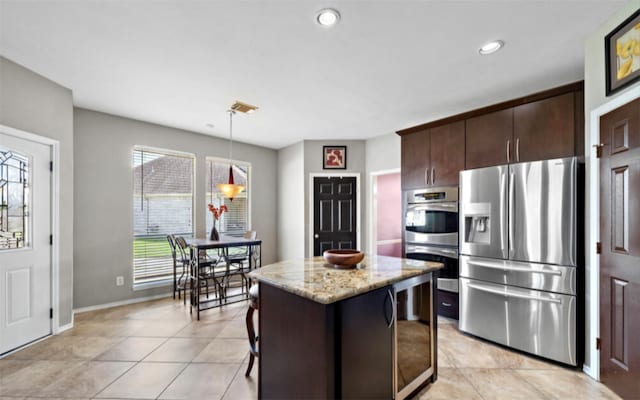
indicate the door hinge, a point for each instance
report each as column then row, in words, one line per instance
column 598, row 150
column 51, row 240
column 51, row 166
column 598, row 247
column 51, row 313
column 597, row 343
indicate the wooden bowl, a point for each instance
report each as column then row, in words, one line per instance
column 343, row 258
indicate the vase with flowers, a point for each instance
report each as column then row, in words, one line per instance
column 216, row 212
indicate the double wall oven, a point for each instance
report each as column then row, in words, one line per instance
column 431, row 234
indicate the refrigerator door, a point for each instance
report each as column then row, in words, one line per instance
column 542, row 211
column 534, row 321
column 483, row 212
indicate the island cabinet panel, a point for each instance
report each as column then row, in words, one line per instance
column 489, row 139
column 447, row 154
column 297, row 347
column 415, row 163
column 366, row 340
column 545, row 129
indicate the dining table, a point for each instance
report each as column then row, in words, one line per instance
column 226, row 242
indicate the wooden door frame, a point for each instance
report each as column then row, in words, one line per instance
column 372, row 231
column 55, row 219
column 592, row 227
column 310, row 205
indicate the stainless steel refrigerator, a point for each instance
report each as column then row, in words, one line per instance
column 518, row 256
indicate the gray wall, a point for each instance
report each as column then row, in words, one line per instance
column 313, row 157
column 594, row 88
column 291, row 198
column 382, row 154
column 32, row 103
column 103, row 198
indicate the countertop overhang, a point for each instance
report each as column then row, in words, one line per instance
column 316, row 280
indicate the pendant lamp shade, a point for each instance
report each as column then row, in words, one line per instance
column 230, row 189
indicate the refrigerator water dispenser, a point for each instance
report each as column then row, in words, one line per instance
column 477, row 223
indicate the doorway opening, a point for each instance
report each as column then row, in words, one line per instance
column 385, row 214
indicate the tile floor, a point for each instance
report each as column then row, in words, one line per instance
column 156, row 350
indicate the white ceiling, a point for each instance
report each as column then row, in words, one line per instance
column 387, row 65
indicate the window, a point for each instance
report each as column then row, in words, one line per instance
column 14, row 199
column 162, row 205
column 235, row 222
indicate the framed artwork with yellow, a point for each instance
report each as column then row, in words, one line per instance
column 622, row 54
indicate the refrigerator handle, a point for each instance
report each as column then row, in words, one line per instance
column 511, row 200
column 503, row 215
column 517, row 149
column 508, row 151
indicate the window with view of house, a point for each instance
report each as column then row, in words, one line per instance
column 236, row 221
column 162, row 205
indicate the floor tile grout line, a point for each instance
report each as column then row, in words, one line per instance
column 173, row 380
column 471, row 383
column 232, row 380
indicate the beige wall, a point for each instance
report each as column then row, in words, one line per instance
column 32, row 103
column 594, row 82
column 103, row 197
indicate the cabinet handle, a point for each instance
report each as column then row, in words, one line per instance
column 393, row 309
column 518, row 149
column 426, row 176
column 433, row 176
column 446, row 304
column 508, row 151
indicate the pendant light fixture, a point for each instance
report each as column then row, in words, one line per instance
column 230, row 189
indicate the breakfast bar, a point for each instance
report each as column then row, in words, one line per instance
column 367, row 332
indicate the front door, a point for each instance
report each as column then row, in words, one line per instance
column 620, row 254
column 25, row 250
column 334, row 213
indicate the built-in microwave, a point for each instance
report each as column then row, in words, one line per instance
column 431, row 216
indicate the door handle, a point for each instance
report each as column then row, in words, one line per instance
column 433, row 176
column 508, row 151
column 446, row 304
column 511, row 206
column 316, row 236
column 393, row 309
column 518, row 149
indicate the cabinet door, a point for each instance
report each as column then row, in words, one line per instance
column 545, row 129
column 447, row 154
column 489, row 139
column 415, row 160
column 366, row 342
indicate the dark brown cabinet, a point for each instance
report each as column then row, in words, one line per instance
column 433, row 157
column 545, row 129
column 489, row 139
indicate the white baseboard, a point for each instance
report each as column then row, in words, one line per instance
column 64, row 327
column 587, row 370
column 121, row 303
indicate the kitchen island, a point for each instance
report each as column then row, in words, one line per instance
column 368, row 332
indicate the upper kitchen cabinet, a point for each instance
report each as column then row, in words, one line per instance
column 489, row 139
column 433, row 157
column 544, row 129
column 415, row 163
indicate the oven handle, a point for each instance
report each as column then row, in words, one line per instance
column 511, row 294
column 432, row 250
column 433, row 207
column 515, row 269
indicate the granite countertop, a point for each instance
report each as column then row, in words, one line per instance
column 316, row 280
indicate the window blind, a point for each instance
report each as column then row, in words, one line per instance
column 162, row 205
column 235, row 222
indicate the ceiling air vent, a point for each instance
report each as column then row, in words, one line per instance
column 243, row 107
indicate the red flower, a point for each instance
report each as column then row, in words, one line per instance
column 217, row 212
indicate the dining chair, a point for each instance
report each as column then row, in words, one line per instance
column 239, row 262
column 172, row 245
column 254, row 304
column 205, row 271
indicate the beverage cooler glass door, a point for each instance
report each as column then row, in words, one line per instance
column 542, row 211
column 483, row 212
column 414, row 335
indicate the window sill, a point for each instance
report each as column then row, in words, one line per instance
column 152, row 285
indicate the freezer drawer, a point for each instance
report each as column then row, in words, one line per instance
column 537, row 322
column 550, row 278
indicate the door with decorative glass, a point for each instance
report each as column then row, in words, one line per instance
column 25, row 246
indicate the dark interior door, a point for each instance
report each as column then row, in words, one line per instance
column 620, row 255
column 334, row 211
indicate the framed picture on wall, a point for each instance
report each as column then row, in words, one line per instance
column 334, row 157
column 622, row 54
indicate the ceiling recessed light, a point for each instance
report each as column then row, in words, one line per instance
column 328, row 17
column 491, row 47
